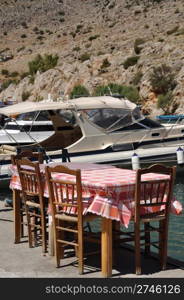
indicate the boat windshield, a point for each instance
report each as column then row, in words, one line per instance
column 113, row 119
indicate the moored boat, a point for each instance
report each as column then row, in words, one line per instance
column 90, row 126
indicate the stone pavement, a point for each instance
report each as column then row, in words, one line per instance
column 18, row 260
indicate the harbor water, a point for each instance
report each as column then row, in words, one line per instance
column 176, row 225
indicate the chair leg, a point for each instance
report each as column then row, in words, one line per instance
column 161, row 241
column 116, row 238
column 34, row 222
column 137, row 249
column 80, row 252
column 147, row 239
column 56, row 244
column 164, row 241
column 22, row 226
column 61, row 235
column 29, row 226
column 43, row 231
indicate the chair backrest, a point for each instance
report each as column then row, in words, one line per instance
column 30, row 177
column 153, row 196
column 36, row 156
column 65, row 191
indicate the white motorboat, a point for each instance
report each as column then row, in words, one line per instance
column 96, row 126
column 86, row 124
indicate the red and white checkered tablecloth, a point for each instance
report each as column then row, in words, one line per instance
column 107, row 191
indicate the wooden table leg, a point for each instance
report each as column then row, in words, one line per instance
column 106, row 244
column 17, row 216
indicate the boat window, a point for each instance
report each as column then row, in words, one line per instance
column 68, row 116
column 133, row 126
column 109, row 119
column 150, row 123
column 32, row 128
column 35, row 115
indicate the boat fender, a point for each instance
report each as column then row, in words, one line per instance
column 135, row 161
column 180, row 156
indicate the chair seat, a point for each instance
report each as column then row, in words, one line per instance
column 65, row 217
column 33, row 204
column 149, row 218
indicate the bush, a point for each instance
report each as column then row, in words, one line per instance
column 93, row 37
column 24, row 74
column 42, row 64
column 78, row 91
column 137, row 45
column 130, row 92
column 111, row 5
column 137, row 78
column 41, row 32
column 23, row 36
column 21, row 48
column 111, row 88
column 84, row 57
column 40, row 37
column 76, row 49
column 165, row 101
column 5, row 72
column 25, row 96
column 6, row 83
column 24, row 24
column 162, row 79
column 78, row 28
column 14, row 74
column 130, row 61
column 61, row 13
column 105, row 64
column 35, row 29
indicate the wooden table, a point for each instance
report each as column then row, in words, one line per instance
column 111, row 194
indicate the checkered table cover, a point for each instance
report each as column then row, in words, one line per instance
column 107, row 191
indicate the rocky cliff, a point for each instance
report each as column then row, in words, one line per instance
column 85, row 34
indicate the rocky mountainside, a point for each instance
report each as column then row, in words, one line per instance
column 97, row 42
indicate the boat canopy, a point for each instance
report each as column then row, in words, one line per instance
column 170, row 117
column 83, row 103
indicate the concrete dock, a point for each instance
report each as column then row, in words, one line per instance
column 19, row 261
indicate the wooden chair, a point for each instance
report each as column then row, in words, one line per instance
column 19, row 210
column 35, row 156
column 152, row 204
column 65, row 197
column 34, row 202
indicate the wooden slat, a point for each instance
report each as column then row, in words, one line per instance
column 67, row 242
column 66, row 229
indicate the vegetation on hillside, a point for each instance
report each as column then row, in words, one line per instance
column 129, row 92
column 163, row 82
column 43, row 63
column 79, row 91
